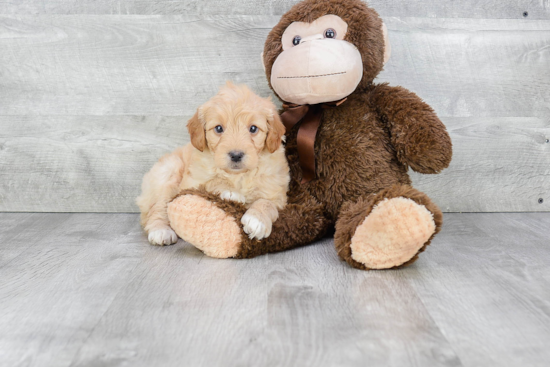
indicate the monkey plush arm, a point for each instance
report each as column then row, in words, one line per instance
column 418, row 136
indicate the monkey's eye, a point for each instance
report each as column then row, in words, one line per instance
column 296, row 40
column 219, row 129
column 330, row 33
column 253, row 129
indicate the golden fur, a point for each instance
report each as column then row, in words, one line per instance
column 259, row 179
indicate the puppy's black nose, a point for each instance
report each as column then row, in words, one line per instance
column 236, row 155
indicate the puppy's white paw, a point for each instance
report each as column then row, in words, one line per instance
column 162, row 237
column 233, row 196
column 255, row 227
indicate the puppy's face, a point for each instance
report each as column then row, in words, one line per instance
column 236, row 126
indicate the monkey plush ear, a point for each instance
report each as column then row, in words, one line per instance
column 263, row 62
column 387, row 45
column 196, row 132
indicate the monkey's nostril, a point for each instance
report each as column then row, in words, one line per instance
column 236, row 156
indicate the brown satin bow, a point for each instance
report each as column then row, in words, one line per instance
column 310, row 115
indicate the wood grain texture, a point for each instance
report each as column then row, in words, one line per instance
column 472, row 68
column 484, row 280
column 363, row 319
column 88, row 290
column 81, row 164
column 11, row 228
column 183, row 308
column 125, row 65
column 169, row 65
column 56, row 290
column 90, row 102
column 539, row 9
column 499, row 165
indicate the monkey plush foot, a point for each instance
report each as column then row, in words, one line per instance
column 392, row 233
column 200, row 222
column 388, row 229
column 215, row 225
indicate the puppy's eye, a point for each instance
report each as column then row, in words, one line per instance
column 330, row 33
column 219, row 129
column 296, row 40
column 253, row 129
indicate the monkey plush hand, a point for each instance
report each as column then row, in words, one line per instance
column 349, row 145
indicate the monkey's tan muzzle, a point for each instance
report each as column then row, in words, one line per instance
column 317, row 71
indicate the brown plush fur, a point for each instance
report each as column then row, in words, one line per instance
column 363, row 147
column 298, row 225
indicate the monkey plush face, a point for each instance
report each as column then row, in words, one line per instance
column 316, row 64
column 323, row 50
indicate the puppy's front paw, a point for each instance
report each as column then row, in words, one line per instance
column 233, row 196
column 162, row 237
column 257, row 227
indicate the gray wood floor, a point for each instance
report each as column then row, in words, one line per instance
column 87, row 290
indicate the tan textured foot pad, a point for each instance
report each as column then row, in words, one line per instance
column 205, row 226
column 392, row 233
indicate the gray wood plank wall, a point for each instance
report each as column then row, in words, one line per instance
column 499, row 9
column 92, row 93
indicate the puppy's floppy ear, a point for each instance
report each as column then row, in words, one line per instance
column 196, row 132
column 275, row 132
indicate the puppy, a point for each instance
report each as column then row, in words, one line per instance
column 235, row 152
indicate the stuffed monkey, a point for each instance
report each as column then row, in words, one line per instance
column 349, row 144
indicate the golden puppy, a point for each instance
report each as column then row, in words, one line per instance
column 235, row 151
